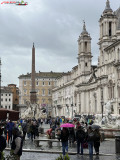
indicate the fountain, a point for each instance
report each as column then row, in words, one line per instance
column 110, row 124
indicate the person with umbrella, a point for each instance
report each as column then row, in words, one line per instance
column 97, row 140
column 64, row 139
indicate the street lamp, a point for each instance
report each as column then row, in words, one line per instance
column 102, row 108
column 72, row 110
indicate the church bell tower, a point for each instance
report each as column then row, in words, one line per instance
column 84, row 52
column 107, row 25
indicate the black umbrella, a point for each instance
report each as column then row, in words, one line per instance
column 95, row 126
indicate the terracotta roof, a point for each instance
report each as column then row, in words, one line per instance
column 5, row 89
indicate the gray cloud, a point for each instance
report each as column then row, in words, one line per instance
column 54, row 26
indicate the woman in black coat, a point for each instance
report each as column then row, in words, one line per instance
column 64, row 139
column 97, row 141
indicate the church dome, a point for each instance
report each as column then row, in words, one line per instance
column 84, row 32
column 107, row 8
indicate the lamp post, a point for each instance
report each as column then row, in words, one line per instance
column 72, row 110
column 102, row 108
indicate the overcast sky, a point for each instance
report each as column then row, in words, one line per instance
column 54, row 26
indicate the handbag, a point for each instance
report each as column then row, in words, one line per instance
column 85, row 145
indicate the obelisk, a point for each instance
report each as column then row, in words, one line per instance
column 33, row 98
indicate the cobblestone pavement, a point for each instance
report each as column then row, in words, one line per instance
column 46, row 156
column 107, row 151
column 42, row 156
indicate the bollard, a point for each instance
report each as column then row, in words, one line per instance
column 42, row 130
column 53, row 134
column 117, row 143
column 102, row 136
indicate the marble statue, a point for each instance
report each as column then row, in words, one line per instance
column 108, row 120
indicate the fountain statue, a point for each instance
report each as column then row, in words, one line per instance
column 110, row 123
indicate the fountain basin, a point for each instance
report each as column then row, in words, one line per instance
column 110, row 133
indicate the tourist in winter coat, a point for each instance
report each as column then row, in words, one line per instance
column 97, row 141
column 71, row 135
column 80, row 136
column 10, row 126
column 64, row 139
column 33, row 130
column 24, row 128
column 90, row 139
column 16, row 146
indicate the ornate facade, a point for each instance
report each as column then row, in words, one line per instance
column 87, row 88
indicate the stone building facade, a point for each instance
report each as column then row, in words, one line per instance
column 10, row 97
column 15, row 92
column 44, row 83
column 87, row 88
column 6, row 97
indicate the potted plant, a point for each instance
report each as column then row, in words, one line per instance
column 66, row 157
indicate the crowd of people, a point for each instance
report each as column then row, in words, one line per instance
column 83, row 135
column 15, row 133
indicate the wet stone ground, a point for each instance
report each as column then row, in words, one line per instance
column 107, row 150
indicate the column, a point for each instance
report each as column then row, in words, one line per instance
column 82, row 102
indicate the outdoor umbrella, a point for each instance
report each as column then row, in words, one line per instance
column 67, row 125
column 95, row 126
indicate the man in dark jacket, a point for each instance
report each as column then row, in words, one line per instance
column 24, row 128
column 10, row 126
column 17, row 144
column 80, row 136
column 97, row 141
column 71, row 135
column 2, row 143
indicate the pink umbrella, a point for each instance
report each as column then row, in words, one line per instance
column 67, row 125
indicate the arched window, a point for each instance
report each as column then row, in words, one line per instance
column 118, row 91
column 110, row 28
column 102, row 30
column 111, row 89
column 118, row 52
column 85, row 46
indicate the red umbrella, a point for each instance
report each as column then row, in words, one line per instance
column 67, row 125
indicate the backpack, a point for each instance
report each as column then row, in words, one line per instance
column 91, row 136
